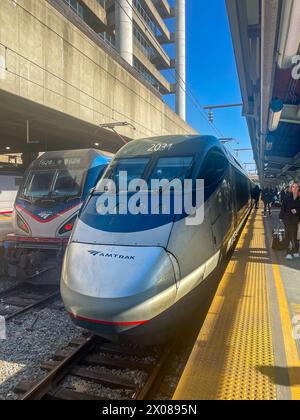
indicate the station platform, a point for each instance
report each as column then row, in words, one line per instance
column 249, row 345
column 5, row 216
column 5, row 225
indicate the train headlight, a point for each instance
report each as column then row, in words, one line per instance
column 22, row 224
column 68, row 227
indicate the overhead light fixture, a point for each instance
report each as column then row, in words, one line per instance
column 289, row 38
column 276, row 109
column 269, row 142
column 96, row 144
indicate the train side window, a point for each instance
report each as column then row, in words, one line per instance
column 213, row 168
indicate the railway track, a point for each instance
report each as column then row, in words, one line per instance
column 95, row 362
column 22, row 298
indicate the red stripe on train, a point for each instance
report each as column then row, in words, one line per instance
column 38, row 219
column 6, row 213
column 94, row 321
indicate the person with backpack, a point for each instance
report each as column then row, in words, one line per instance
column 267, row 198
column 256, row 195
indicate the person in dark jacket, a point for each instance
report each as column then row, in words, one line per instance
column 267, row 198
column 282, row 195
column 290, row 215
column 256, row 195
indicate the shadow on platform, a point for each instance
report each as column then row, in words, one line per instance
column 283, row 376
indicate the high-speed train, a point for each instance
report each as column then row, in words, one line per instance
column 46, row 207
column 131, row 274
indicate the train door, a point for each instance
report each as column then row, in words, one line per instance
column 215, row 172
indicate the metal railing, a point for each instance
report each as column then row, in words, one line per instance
column 108, row 39
column 143, row 44
column 145, row 74
column 146, row 18
column 75, row 6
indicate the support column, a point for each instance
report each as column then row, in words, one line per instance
column 180, row 59
column 124, row 29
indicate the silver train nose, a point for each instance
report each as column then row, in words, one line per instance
column 112, row 289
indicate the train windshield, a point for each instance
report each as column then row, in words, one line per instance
column 134, row 169
column 171, row 168
column 55, row 185
column 168, row 168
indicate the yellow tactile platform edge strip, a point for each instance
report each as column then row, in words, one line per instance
column 234, row 349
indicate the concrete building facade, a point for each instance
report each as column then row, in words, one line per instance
column 138, row 30
column 67, row 66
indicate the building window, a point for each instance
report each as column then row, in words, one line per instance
column 108, row 39
column 143, row 44
column 146, row 18
column 102, row 3
column 145, row 74
column 75, row 6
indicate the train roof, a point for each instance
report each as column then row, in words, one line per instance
column 80, row 159
column 179, row 145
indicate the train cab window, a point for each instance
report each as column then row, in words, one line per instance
column 67, row 184
column 172, row 168
column 213, row 168
column 135, row 169
column 52, row 184
column 38, row 185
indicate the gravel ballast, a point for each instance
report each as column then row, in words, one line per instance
column 32, row 339
column 7, row 283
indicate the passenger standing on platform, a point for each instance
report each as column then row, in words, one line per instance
column 290, row 215
column 274, row 196
column 267, row 198
column 282, row 195
column 256, row 195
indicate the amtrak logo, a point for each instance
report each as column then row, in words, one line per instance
column 45, row 215
column 111, row 255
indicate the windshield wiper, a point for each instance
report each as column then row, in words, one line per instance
column 72, row 198
column 46, row 200
column 26, row 199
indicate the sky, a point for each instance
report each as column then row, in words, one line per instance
column 212, row 73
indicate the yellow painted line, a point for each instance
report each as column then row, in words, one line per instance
column 2, row 217
column 292, row 355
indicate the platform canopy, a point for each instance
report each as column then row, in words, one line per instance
column 266, row 38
